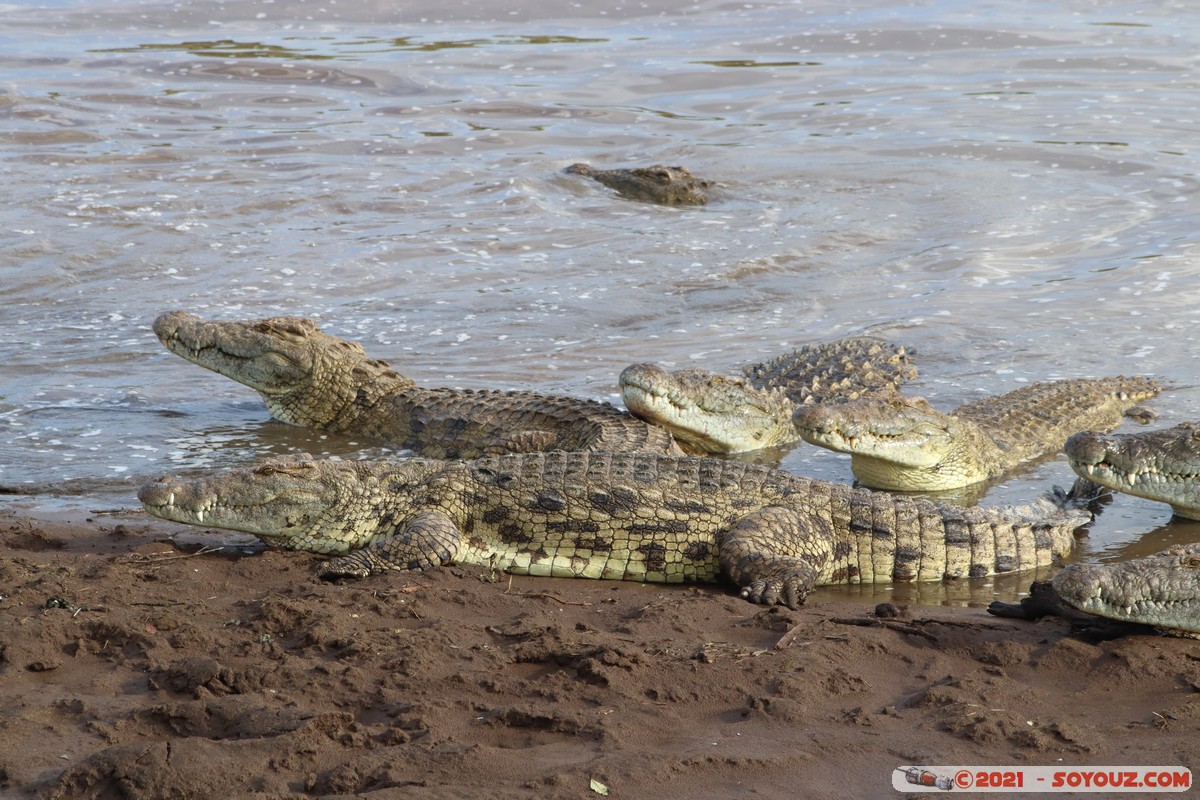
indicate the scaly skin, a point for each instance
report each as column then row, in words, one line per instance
column 668, row 186
column 1161, row 465
column 904, row 444
column 1162, row 590
column 630, row 516
column 710, row 413
column 318, row 381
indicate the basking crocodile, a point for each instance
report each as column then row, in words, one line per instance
column 711, row 413
column 311, row 379
column 669, row 186
column 904, row 444
column 1161, row 591
column 1159, row 465
column 631, row 516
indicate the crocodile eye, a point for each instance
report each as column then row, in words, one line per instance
column 1191, row 561
column 290, row 465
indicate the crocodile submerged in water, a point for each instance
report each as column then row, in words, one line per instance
column 630, row 516
column 668, row 186
column 902, row 443
column 1161, row 465
column 1161, row 591
column 711, row 413
column 309, row 378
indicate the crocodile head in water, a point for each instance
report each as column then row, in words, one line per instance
column 706, row 412
column 669, row 186
column 305, row 377
column 1161, row 465
column 296, row 502
column 1162, row 590
column 899, row 443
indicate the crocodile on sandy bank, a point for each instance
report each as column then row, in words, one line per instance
column 710, row 413
column 1161, row 591
column 1161, row 465
column 631, row 516
column 904, row 444
column 668, row 186
column 311, row 379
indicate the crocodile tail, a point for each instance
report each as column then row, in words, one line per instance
column 1081, row 494
column 1061, row 507
column 1074, row 506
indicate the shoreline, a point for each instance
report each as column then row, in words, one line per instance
column 172, row 669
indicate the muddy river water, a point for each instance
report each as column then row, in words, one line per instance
column 1007, row 187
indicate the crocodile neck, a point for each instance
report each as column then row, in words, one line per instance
column 347, row 396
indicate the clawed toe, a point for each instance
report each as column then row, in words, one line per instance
column 776, row 592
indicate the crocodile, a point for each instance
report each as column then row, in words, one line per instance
column 627, row 516
column 902, row 443
column 709, row 413
column 1161, row 465
column 1154, row 593
column 668, row 186
column 309, row 378
column 1162, row 590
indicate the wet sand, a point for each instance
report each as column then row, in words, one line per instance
column 164, row 669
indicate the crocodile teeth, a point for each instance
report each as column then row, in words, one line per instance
column 171, row 499
column 200, row 515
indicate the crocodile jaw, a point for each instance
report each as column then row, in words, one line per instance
column 1161, row 465
column 269, row 356
column 919, row 460
column 705, row 412
column 304, row 376
column 898, row 443
column 287, row 508
column 1162, row 590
